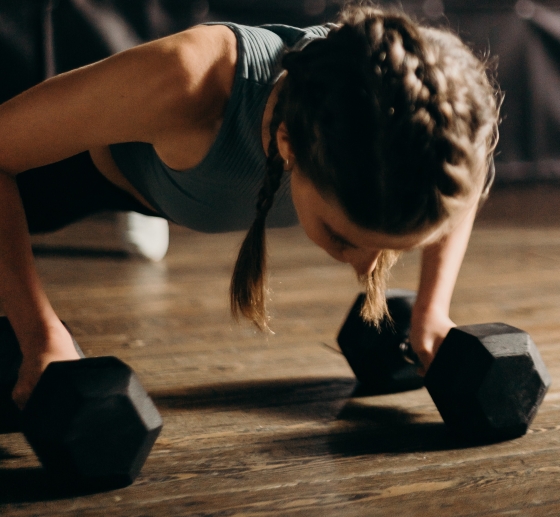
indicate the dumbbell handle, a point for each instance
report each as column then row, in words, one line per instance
column 408, row 354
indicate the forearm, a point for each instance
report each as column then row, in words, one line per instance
column 21, row 295
column 441, row 263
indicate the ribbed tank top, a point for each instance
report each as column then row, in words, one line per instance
column 220, row 193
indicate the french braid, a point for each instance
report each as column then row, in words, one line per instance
column 247, row 289
column 394, row 121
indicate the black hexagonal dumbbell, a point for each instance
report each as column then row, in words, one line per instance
column 90, row 422
column 375, row 354
column 486, row 380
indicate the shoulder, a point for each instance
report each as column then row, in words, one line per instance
column 192, row 56
column 202, row 45
column 183, row 68
column 189, row 75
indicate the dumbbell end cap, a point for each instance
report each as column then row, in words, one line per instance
column 91, row 423
column 487, row 382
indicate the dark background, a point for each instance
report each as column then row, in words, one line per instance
column 39, row 38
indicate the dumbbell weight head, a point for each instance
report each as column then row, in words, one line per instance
column 91, row 423
column 374, row 354
column 487, row 381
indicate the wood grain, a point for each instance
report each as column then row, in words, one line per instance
column 270, row 424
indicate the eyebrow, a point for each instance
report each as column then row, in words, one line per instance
column 338, row 237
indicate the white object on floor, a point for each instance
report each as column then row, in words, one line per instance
column 143, row 235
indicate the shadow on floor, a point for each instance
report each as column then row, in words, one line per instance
column 31, row 485
column 371, row 429
column 359, row 425
column 347, row 427
column 40, row 250
column 286, row 396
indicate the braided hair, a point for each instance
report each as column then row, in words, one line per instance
column 395, row 121
column 247, row 289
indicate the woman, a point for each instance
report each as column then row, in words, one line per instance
column 378, row 134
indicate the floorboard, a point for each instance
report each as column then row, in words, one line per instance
column 271, row 424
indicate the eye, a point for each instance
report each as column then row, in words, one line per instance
column 338, row 241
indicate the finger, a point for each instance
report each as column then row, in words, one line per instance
column 20, row 397
column 426, row 359
column 19, row 400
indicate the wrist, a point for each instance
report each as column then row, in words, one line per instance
column 39, row 334
column 429, row 311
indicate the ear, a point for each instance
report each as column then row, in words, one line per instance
column 284, row 145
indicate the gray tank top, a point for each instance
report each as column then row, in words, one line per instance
column 220, row 194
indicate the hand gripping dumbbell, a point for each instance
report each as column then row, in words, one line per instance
column 486, row 380
column 90, row 422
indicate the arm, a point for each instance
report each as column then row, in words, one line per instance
column 41, row 335
column 441, row 262
column 149, row 94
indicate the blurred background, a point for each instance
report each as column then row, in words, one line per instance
column 40, row 38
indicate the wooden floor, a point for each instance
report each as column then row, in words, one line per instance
column 258, row 425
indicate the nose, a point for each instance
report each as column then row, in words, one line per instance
column 365, row 263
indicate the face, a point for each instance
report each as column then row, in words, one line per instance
column 326, row 224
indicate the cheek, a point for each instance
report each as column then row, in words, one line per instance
column 312, row 231
column 322, row 239
column 306, row 219
column 317, row 235
column 307, row 209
